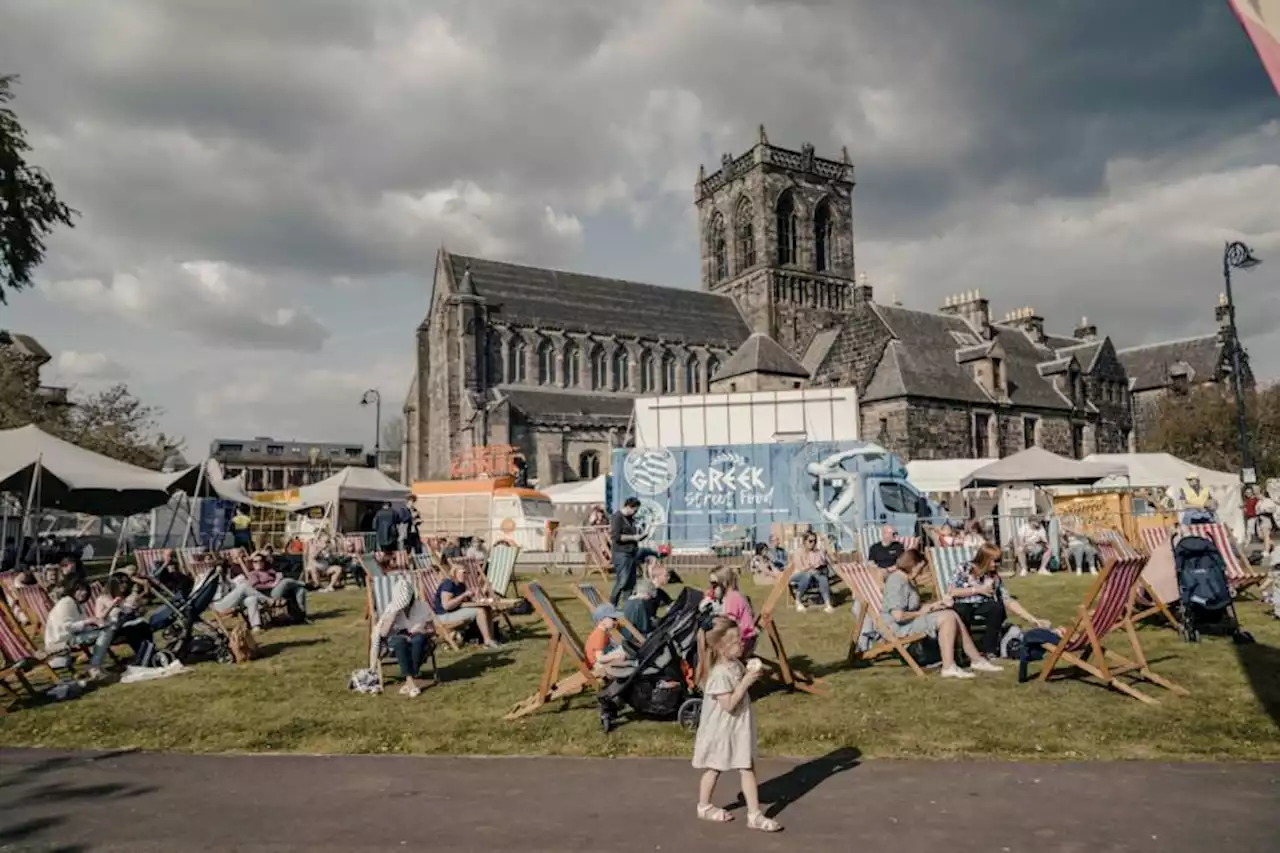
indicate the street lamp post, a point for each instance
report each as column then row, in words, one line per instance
column 372, row 396
column 1238, row 256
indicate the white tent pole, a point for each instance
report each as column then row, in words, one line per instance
column 26, row 513
column 204, row 466
column 124, row 525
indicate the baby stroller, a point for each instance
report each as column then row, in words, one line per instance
column 178, row 631
column 1203, row 591
column 663, row 685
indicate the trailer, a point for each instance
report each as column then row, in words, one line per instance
column 746, row 418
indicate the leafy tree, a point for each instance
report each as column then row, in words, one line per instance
column 29, row 205
column 1200, row 427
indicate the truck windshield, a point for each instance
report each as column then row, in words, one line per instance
column 897, row 498
column 537, row 508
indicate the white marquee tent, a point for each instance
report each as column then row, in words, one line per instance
column 351, row 484
column 1166, row 471
column 942, row 476
column 582, row 492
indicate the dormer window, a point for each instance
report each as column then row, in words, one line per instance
column 997, row 376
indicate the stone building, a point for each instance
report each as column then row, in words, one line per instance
column 548, row 361
column 1175, row 367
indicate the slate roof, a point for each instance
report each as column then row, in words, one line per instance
column 761, row 354
column 921, row 362
column 569, row 408
column 531, row 296
column 1148, row 366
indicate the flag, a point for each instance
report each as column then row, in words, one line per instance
column 1261, row 22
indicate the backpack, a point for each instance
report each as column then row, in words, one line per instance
column 1202, row 576
column 243, row 645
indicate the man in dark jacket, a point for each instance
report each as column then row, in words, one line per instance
column 625, row 538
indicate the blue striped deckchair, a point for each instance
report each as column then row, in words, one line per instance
column 591, row 597
column 378, row 596
column 947, row 563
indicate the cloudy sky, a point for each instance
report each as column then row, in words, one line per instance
column 264, row 185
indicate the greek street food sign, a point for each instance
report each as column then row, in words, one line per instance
column 729, row 480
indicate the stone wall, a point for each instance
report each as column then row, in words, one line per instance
column 939, row 431
column 886, row 425
column 857, row 351
column 1107, row 387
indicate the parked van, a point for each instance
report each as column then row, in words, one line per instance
column 492, row 508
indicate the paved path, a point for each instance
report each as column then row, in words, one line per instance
column 137, row 802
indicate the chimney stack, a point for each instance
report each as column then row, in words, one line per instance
column 1028, row 321
column 971, row 307
column 862, row 291
column 1086, row 331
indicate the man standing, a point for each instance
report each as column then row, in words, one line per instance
column 624, row 539
column 384, row 529
column 1196, row 503
column 240, row 535
column 886, row 552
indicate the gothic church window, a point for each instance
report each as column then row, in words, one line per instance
column 692, row 376
column 787, row 221
column 572, row 365
column 713, row 367
column 745, row 229
column 494, row 359
column 516, row 360
column 589, row 465
column 647, row 379
column 621, row 367
column 822, row 236
column 599, row 369
column 719, row 249
column 668, row 373
column 546, row 363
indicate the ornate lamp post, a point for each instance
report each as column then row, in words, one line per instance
column 372, row 396
column 1238, row 256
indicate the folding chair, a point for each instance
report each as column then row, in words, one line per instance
column 428, row 584
column 18, row 655
column 500, row 570
column 35, row 604
column 947, row 562
column 1157, row 540
column 591, row 597
column 1107, row 606
column 867, row 585
column 561, row 642
column 790, row 677
column 595, row 541
column 377, row 596
column 146, row 558
column 1239, row 575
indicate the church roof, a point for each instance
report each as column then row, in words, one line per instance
column 531, row 296
column 761, row 354
column 1149, row 366
column 569, row 408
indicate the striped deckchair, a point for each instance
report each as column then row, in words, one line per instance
column 500, row 570
column 591, row 597
column 378, row 595
column 35, row 604
column 1239, row 575
column 866, row 583
column 428, row 584
column 947, row 563
column 354, row 544
column 1108, row 606
column 562, row 642
column 370, row 564
column 146, row 559
column 18, row 655
column 1146, row 602
column 595, row 542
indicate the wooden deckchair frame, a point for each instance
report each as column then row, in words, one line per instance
column 790, row 677
column 1240, row 576
column 425, row 583
column 591, row 598
column 561, row 642
column 858, row 576
column 18, row 668
column 595, row 543
column 1082, row 646
column 1157, row 607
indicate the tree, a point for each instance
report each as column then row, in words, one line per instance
column 393, row 433
column 29, row 204
column 1200, row 427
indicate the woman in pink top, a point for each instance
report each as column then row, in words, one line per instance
column 734, row 605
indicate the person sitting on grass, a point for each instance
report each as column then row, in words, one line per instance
column 733, row 604
column 813, row 570
column 905, row 616
column 981, row 599
column 120, row 599
column 172, row 578
column 405, row 626
column 456, row 606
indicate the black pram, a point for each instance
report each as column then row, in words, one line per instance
column 179, row 631
column 662, row 686
column 1203, row 591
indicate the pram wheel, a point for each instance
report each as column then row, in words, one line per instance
column 222, row 653
column 689, row 714
column 163, row 658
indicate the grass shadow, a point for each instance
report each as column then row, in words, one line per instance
column 781, row 791
column 64, row 791
column 1261, row 665
column 474, row 665
column 270, row 650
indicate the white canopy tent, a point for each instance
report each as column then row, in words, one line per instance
column 1168, row 472
column 351, row 484
column 1037, row 466
column 942, row 476
column 583, row 492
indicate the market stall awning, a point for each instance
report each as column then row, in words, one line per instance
column 71, row 478
column 1037, row 466
column 351, row 484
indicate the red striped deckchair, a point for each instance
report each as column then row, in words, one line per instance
column 1239, row 575
column 866, row 583
column 147, row 558
column 910, row 542
column 428, row 584
column 1108, row 606
column 35, row 604
column 18, row 655
column 1147, row 603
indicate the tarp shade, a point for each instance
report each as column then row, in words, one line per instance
column 78, row 480
column 351, row 484
column 1037, row 466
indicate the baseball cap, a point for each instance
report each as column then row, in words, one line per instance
column 603, row 612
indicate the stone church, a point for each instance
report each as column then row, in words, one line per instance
column 549, row 361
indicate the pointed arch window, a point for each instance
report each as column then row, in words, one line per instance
column 668, row 373
column 822, row 233
column 496, row 367
column 692, row 375
column 787, row 221
column 516, row 354
column 713, row 367
column 546, row 362
column 572, row 365
column 589, row 465
column 719, row 249
column 599, row 368
column 648, row 381
column 745, row 229
column 621, row 369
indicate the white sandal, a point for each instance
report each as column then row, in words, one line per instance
column 714, row 814
column 757, row 820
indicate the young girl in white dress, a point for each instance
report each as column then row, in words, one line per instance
column 727, row 729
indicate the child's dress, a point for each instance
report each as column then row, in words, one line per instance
column 726, row 740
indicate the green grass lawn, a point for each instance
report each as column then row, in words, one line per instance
column 295, row 699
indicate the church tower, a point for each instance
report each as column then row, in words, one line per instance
column 777, row 235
